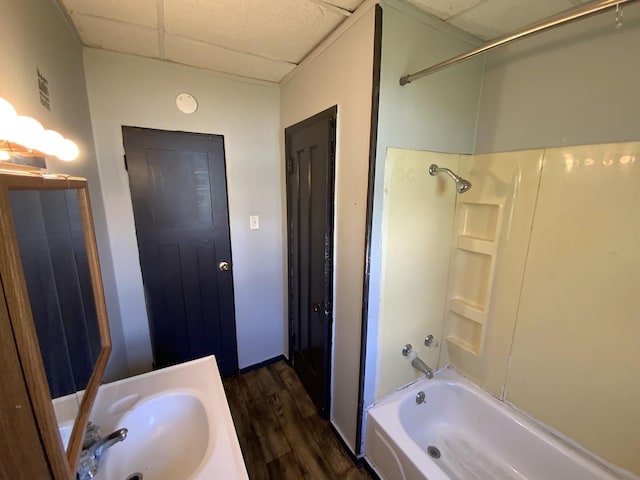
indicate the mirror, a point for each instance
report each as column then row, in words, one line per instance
column 52, row 246
column 55, row 301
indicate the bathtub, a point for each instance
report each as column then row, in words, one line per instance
column 476, row 437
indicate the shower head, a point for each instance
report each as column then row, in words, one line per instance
column 462, row 185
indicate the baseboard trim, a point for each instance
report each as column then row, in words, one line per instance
column 360, row 462
column 265, row 363
column 370, row 469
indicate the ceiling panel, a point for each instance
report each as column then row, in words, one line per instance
column 139, row 12
column 116, row 36
column 350, row 5
column 279, row 29
column 497, row 17
column 445, row 9
column 266, row 38
column 193, row 52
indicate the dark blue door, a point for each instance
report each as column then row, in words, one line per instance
column 179, row 194
column 310, row 150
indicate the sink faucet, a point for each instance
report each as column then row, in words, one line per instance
column 416, row 362
column 91, row 455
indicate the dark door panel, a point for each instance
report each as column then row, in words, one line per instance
column 310, row 187
column 179, row 195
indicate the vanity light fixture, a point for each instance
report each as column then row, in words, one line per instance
column 26, row 132
column 25, row 135
column 7, row 117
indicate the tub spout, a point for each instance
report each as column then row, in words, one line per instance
column 416, row 362
column 419, row 365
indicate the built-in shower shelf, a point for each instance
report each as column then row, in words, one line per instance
column 478, row 245
column 464, row 345
column 477, row 230
column 467, row 310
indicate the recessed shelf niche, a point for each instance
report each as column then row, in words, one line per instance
column 471, row 276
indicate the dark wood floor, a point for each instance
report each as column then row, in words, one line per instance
column 281, row 434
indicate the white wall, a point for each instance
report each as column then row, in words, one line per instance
column 574, row 85
column 437, row 113
column 133, row 91
column 34, row 34
column 342, row 75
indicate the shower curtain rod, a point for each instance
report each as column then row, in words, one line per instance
column 554, row 21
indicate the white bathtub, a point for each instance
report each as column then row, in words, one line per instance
column 478, row 437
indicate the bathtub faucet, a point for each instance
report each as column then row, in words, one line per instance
column 419, row 365
column 416, row 362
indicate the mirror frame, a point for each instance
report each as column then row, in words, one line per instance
column 17, row 299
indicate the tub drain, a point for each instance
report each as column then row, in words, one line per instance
column 134, row 476
column 434, row 452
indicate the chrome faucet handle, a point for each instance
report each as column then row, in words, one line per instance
column 430, row 341
column 87, row 466
column 91, row 436
column 407, row 349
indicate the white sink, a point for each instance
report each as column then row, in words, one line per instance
column 168, row 438
column 179, row 426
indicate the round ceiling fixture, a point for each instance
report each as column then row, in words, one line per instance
column 186, row 103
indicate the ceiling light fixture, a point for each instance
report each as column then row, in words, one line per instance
column 186, row 103
column 25, row 135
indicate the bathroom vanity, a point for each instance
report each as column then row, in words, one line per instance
column 54, row 346
column 179, row 426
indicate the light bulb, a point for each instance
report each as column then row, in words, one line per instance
column 26, row 132
column 49, row 142
column 7, row 118
column 67, row 150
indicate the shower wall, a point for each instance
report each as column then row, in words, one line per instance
column 540, row 306
column 416, row 243
column 575, row 360
column 490, row 240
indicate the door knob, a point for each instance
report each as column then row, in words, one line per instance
column 316, row 307
column 223, row 266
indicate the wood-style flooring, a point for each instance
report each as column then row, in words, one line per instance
column 281, row 435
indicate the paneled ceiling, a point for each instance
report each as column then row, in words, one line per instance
column 487, row 19
column 265, row 39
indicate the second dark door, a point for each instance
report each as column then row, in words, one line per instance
column 310, row 152
column 179, row 194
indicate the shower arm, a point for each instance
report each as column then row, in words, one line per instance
column 462, row 185
column 434, row 170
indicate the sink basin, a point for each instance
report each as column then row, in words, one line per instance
column 179, row 426
column 168, row 438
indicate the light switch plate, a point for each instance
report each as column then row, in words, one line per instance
column 254, row 222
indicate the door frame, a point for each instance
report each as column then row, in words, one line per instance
column 373, row 146
column 330, row 114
